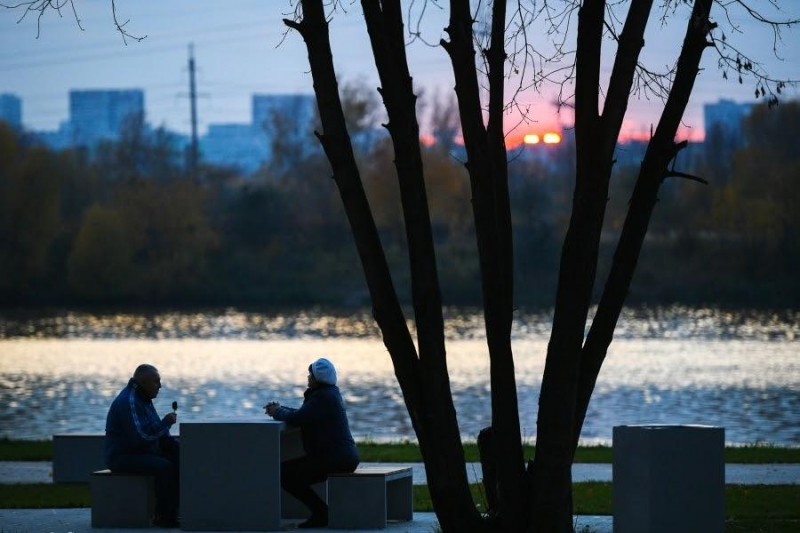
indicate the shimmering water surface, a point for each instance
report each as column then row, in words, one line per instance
column 59, row 372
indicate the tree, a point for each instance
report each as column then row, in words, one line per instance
column 170, row 234
column 444, row 121
column 139, row 153
column 30, row 217
column 756, row 211
column 538, row 497
column 101, row 263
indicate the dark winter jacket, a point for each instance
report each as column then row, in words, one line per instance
column 132, row 425
column 326, row 432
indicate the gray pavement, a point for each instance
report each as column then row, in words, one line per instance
column 735, row 474
column 79, row 521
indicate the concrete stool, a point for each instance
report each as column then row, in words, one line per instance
column 370, row 497
column 121, row 500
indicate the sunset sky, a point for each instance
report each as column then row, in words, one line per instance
column 242, row 47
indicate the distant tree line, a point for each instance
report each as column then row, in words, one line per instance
column 127, row 224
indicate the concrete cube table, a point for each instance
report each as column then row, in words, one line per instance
column 230, row 475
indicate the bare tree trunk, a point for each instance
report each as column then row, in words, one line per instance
column 336, row 143
column 487, row 168
column 552, row 476
column 660, row 151
column 424, row 380
column 443, row 452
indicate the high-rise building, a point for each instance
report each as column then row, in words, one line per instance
column 11, row 110
column 724, row 134
column 728, row 116
column 238, row 146
column 300, row 108
column 288, row 120
column 100, row 114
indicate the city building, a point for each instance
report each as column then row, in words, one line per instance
column 59, row 139
column 246, row 147
column 724, row 134
column 300, row 108
column 726, row 116
column 239, row 146
column 290, row 120
column 97, row 115
column 11, row 110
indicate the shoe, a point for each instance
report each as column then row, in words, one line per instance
column 316, row 520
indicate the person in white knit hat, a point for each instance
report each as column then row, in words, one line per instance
column 327, row 440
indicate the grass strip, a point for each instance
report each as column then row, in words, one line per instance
column 26, row 450
column 45, row 496
column 742, row 502
column 749, row 509
column 591, row 498
column 408, row 452
column 762, row 525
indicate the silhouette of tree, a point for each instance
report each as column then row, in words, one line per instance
column 538, row 497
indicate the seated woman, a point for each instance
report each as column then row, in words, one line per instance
column 327, row 441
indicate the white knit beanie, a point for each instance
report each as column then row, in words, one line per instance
column 323, row 371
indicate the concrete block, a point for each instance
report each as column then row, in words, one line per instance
column 668, row 478
column 230, row 475
column 121, row 500
column 369, row 498
column 76, row 456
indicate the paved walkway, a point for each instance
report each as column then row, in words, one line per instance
column 79, row 521
column 735, row 474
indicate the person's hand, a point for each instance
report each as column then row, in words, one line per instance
column 170, row 418
column 271, row 407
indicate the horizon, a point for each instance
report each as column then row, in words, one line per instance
column 238, row 49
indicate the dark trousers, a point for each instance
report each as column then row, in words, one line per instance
column 165, row 469
column 297, row 476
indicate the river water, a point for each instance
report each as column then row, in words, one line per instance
column 59, row 371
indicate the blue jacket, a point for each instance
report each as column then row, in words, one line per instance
column 326, row 432
column 132, row 425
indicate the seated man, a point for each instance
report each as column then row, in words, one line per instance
column 138, row 441
column 327, row 441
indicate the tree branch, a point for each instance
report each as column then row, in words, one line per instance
column 676, row 174
column 42, row 6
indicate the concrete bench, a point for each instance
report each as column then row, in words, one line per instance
column 121, row 500
column 76, row 456
column 370, row 497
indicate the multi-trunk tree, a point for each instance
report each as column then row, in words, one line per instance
column 536, row 496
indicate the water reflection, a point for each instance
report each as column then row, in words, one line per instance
column 52, row 385
column 675, row 322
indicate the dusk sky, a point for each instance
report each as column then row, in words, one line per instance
column 240, row 49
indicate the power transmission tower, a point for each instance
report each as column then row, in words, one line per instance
column 193, row 149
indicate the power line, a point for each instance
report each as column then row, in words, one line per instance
column 92, row 47
column 109, row 55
